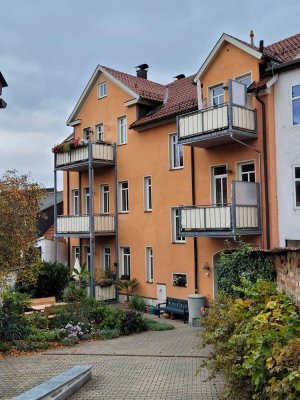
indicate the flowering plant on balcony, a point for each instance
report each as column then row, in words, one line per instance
column 64, row 147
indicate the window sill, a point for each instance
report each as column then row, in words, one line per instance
column 121, row 144
column 151, row 283
column 147, row 211
column 175, row 168
column 123, row 212
column 102, row 97
column 183, row 242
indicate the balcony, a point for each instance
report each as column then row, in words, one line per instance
column 214, row 126
column 79, row 225
column 241, row 217
column 100, row 155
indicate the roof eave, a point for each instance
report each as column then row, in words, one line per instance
column 225, row 38
column 99, row 69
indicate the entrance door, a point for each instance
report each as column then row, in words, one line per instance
column 219, row 185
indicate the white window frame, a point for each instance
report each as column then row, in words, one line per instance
column 210, row 94
column 87, row 257
column 86, row 202
column 87, row 133
column 104, row 198
column 240, row 173
column 75, row 254
column 102, row 90
column 213, row 184
column 99, row 129
column 149, row 264
column 122, row 130
column 174, row 153
column 175, row 226
column 294, row 184
column 292, row 100
column 239, row 78
column 125, row 259
column 106, row 258
column 75, row 204
column 148, row 193
column 123, row 208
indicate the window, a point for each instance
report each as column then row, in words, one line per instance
column 176, row 153
column 75, row 254
column 86, row 200
column 102, row 90
column 297, row 186
column 219, row 185
column 180, row 280
column 123, row 196
column 99, row 129
column 296, row 104
column 87, row 257
column 245, row 79
column 106, row 258
column 86, row 133
column 104, row 199
column 125, row 261
column 217, row 95
column 122, row 130
column 149, row 264
column 148, row 193
column 176, row 238
column 247, row 172
column 75, row 201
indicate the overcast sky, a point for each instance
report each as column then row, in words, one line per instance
column 50, row 48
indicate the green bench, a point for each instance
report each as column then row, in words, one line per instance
column 175, row 306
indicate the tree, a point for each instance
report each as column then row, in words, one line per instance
column 19, row 208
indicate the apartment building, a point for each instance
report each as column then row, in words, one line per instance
column 154, row 197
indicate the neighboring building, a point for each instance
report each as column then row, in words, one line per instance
column 46, row 241
column 287, row 127
column 122, row 191
column 2, row 85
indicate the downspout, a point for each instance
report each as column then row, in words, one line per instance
column 260, row 173
column 116, row 220
column 68, row 213
column 265, row 152
column 193, row 202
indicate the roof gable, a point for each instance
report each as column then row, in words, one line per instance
column 137, row 88
column 252, row 50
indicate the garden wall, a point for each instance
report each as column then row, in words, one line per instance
column 287, row 265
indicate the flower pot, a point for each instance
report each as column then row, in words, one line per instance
column 166, row 315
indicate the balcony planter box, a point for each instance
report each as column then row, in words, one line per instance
column 105, row 283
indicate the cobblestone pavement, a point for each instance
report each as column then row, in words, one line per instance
column 151, row 365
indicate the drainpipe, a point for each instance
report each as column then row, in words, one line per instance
column 55, row 211
column 116, row 220
column 193, row 202
column 260, row 173
column 263, row 109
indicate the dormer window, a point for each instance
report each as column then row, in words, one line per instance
column 217, row 95
column 102, row 90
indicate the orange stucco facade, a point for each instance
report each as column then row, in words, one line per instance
column 147, row 154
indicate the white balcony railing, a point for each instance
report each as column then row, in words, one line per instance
column 216, row 218
column 81, row 223
column 100, row 152
column 215, row 119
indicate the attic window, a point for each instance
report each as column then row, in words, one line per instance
column 102, row 90
column 245, row 79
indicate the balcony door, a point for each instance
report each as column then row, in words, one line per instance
column 87, row 254
column 219, row 185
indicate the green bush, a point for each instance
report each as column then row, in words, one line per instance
column 113, row 319
column 62, row 317
column 108, row 334
column 74, row 293
column 242, row 262
column 256, row 342
column 137, row 303
column 26, row 345
column 45, row 335
column 13, row 324
column 51, row 280
column 5, row 347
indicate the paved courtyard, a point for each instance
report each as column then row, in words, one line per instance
column 151, row 365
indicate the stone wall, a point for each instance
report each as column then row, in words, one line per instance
column 287, row 265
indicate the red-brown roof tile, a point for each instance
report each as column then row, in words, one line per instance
column 147, row 90
column 284, row 50
column 261, row 84
column 182, row 97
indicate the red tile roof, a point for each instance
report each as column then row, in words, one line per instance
column 284, row 50
column 261, row 84
column 181, row 97
column 147, row 90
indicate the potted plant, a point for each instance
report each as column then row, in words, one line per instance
column 104, row 278
column 128, row 286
